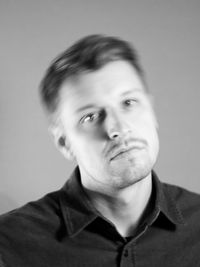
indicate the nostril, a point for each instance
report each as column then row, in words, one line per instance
column 114, row 135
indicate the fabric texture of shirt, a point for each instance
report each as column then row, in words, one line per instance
column 63, row 229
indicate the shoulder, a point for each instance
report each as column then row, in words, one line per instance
column 187, row 202
column 33, row 229
column 34, row 208
column 181, row 194
column 34, row 217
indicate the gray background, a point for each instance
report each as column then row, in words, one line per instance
column 167, row 35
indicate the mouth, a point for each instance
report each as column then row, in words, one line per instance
column 124, row 152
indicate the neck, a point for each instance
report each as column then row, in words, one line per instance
column 126, row 207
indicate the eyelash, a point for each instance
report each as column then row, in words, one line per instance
column 95, row 115
column 132, row 101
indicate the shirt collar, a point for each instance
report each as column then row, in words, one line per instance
column 78, row 211
column 165, row 203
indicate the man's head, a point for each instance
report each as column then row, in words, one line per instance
column 104, row 118
column 87, row 55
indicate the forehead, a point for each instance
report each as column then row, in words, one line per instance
column 112, row 80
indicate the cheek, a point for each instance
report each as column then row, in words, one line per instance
column 152, row 135
column 91, row 133
column 145, row 122
column 146, row 127
column 85, row 146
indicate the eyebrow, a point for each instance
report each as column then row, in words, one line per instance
column 85, row 107
column 131, row 91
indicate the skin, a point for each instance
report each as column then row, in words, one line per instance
column 109, row 127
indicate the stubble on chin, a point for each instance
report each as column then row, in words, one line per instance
column 127, row 173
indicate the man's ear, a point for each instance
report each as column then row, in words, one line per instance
column 61, row 142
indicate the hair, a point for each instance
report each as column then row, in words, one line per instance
column 86, row 55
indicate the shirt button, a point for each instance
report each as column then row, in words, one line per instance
column 126, row 253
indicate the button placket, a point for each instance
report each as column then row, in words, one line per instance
column 126, row 253
column 127, row 256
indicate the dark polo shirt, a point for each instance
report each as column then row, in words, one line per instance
column 63, row 229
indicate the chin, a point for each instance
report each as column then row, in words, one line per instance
column 130, row 172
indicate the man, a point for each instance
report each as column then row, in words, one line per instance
column 113, row 211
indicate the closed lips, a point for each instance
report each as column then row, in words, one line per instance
column 122, row 150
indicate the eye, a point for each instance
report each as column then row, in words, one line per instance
column 129, row 102
column 91, row 117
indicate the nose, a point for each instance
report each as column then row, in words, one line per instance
column 115, row 125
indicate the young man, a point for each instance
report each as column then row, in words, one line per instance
column 113, row 211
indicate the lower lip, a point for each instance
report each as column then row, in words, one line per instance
column 127, row 153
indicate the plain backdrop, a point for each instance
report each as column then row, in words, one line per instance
column 167, row 36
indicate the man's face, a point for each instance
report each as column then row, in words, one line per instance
column 109, row 125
